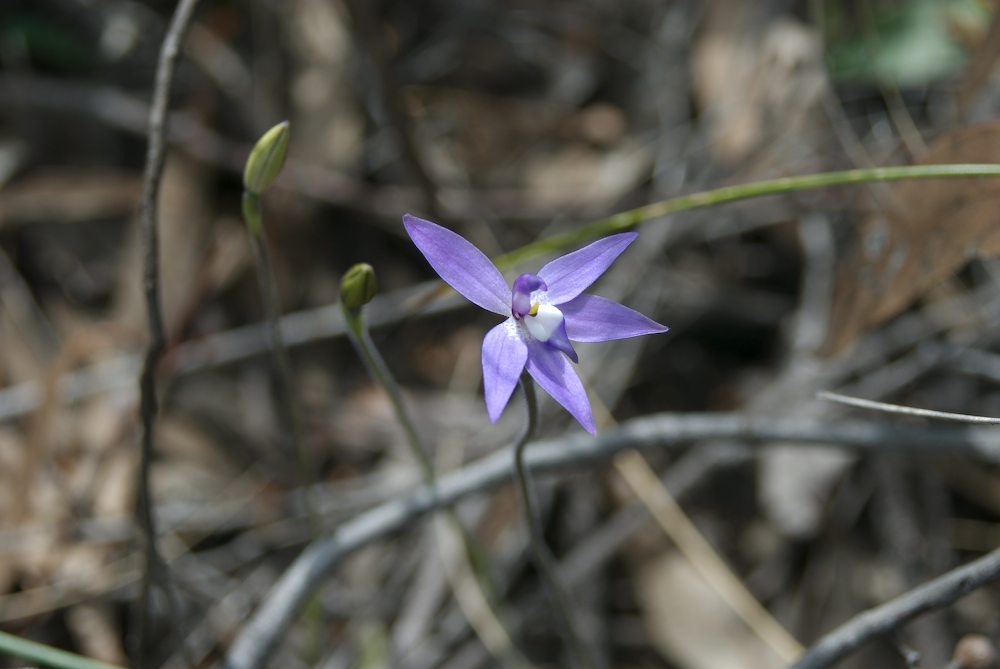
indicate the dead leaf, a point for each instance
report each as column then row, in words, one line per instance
column 185, row 234
column 596, row 176
column 760, row 85
column 68, row 196
column 689, row 622
column 96, row 630
column 933, row 229
column 979, row 71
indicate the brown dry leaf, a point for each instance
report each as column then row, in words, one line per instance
column 185, row 233
column 596, row 176
column 51, row 428
column 974, row 89
column 933, row 229
column 330, row 122
column 21, row 359
column 230, row 256
column 689, row 622
column 27, row 335
column 97, row 631
column 760, row 82
column 70, row 195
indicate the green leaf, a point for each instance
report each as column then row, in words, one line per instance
column 906, row 44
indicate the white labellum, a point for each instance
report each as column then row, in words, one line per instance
column 544, row 323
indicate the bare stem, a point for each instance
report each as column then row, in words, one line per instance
column 149, row 405
column 544, row 561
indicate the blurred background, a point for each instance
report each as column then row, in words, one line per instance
column 507, row 121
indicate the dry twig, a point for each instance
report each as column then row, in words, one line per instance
column 862, row 403
column 155, row 161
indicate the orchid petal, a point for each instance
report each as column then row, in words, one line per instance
column 524, row 286
column 559, row 340
column 571, row 274
column 554, row 373
column 543, row 323
column 463, row 267
column 504, row 355
column 593, row 318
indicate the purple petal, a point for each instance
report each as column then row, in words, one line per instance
column 464, row 267
column 524, row 286
column 593, row 318
column 571, row 274
column 504, row 355
column 554, row 373
column 559, row 340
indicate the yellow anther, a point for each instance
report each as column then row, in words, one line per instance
column 534, row 309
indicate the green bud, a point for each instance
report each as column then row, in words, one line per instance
column 266, row 159
column 358, row 286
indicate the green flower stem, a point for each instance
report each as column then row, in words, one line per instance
column 357, row 332
column 630, row 219
column 283, row 368
column 47, row 656
column 252, row 214
column 544, row 561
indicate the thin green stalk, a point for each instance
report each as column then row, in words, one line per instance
column 376, row 366
column 544, row 561
column 47, row 656
column 630, row 219
column 279, row 353
column 475, row 557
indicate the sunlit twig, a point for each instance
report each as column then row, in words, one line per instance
column 905, row 410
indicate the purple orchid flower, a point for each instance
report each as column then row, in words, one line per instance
column 545, row 313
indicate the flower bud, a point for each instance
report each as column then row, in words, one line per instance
column 358, row 286
column 266, row 159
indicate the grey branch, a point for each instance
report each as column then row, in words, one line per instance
column 883, row 619
column 280, row 608
column 153, row 565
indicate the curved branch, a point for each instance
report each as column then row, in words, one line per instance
column 934, row 594
column 156, row 158
column 261, row 635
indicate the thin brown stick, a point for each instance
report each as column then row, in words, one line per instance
column 153, row 566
